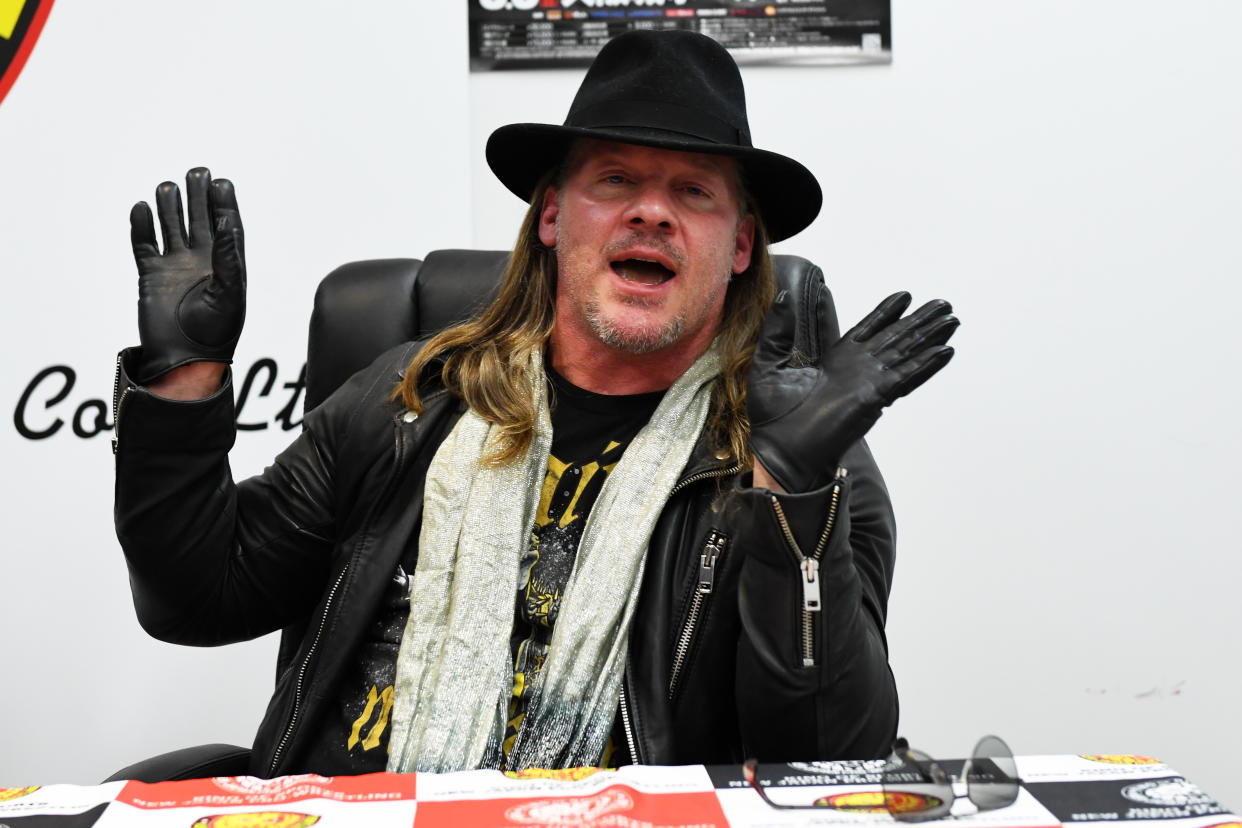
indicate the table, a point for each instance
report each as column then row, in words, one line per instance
column 1056, row 790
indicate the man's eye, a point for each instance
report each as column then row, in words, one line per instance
column 691, row 189
column 615, row 179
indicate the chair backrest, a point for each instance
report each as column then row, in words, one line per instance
column 364, row 308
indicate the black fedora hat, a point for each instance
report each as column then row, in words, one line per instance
column 674, row 90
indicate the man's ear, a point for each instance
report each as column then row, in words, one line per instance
column 743, row 244
column 547, row 216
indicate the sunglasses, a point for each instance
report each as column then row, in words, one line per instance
column 916, row 788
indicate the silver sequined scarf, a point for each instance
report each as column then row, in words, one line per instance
column 454, row 667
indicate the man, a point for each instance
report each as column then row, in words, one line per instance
column 726, row 597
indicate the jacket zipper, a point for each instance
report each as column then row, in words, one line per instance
column 628, row 726
column 695, row 478
column 627, row 715
column 712, row 550
column 118, row 397
column 399, row 445
column 297, row 693
column 808, row 566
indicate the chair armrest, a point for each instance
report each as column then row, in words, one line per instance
column 188, row 763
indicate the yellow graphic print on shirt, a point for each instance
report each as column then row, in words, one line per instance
column 355, row 734
column 569, row 492
column 372, row 739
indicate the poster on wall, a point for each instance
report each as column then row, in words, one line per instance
column 537, row 34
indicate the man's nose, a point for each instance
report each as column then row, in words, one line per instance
column 651, row 208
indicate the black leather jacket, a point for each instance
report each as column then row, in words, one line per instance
column 724, row 660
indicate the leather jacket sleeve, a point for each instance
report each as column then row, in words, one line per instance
column 212, row 562
column 813, row 682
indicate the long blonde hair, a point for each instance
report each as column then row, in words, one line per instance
column 486, row 359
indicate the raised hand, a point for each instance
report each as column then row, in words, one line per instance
column 808, row 405
column 191, row 297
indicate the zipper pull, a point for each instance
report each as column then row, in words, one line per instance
column 810, row 584
column 707, row 562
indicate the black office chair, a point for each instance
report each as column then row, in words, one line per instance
column 361, row 310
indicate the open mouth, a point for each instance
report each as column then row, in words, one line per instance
column 642, row 271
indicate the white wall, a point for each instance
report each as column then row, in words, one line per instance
column 345, row 131
column 1067, row 173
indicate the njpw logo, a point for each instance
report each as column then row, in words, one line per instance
column 582, row 810
column 20, row 24
column 1121, row 759
column 851, row 766
column 1173, row 792
column 268, row 819
column 13, row 793
column 561, row 775
column 283, row 785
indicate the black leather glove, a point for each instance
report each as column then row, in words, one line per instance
column 192, row 297
column 810, row 400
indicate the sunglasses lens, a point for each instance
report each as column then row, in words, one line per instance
column 916, row 788
column 993, row 778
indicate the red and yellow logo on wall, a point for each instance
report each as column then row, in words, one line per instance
column 20, row 24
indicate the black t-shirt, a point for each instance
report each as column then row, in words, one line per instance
column 590, row 432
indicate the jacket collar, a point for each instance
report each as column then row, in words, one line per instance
column 703, row 457
column 703, row 461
